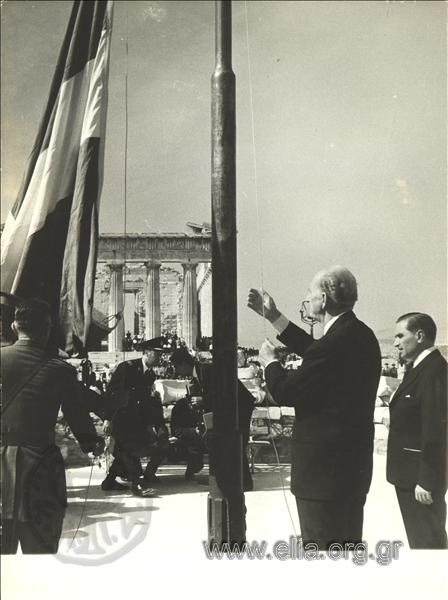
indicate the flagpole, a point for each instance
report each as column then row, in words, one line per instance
column 226, row 510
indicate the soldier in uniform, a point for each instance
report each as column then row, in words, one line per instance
column 35, row 386
column 136, row 420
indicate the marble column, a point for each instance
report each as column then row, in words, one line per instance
column 116, row 306
column 136, row 329
column 190, row 305
column 153, row 319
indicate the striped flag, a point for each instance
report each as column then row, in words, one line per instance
column 49, row 243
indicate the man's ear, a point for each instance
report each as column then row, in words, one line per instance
column 324, row 299
column 420, row 336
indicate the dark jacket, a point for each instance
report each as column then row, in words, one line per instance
column 416, row 452
column 34, row 388
column 185, row 416
column 133, row 407
column 333, row 393
column 246, row 402
column 31, row 417
column 245, row 399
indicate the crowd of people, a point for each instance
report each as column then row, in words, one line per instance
column 333, row 392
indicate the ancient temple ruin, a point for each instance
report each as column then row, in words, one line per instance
column 165, row 277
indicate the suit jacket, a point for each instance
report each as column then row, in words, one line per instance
column 246, row 401
column 416, row 452
column 33, row 475
column 185, row 416
column 133, row 407
column 333, row 393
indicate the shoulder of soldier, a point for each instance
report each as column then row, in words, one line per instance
column 124, row 368
column 7, row 350
column 128, row 363
column 63, row 365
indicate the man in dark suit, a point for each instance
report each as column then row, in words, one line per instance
column 137, row 421
column 187, row 426
column 201, row 385
column 34, row 386
column 416, row 452
column 333, row 393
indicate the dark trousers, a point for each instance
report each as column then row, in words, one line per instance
column 324, row 522
column 158, row 455
column 424, row 523
column 13, row 533
column 129, row 466
column 125, row 465
column 191, row 444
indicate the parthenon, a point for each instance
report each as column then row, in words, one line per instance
column 134, row 262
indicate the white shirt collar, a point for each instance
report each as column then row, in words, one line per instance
column 423, row 355
column 331, row 321
column 282, row 322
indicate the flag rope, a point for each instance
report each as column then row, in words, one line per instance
column 108, row 451
column 83, row 506
column 260, row 248
column 126, row 136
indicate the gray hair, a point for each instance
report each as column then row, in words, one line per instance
column 340, row 286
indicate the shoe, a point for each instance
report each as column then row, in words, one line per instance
column 139, row 489
column 110, row 485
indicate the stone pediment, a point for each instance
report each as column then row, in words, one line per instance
column 164, row 247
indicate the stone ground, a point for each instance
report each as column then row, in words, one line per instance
column 140, row 547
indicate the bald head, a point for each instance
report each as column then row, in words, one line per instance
column 339, row 286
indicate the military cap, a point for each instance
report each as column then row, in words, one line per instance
column 162, row 344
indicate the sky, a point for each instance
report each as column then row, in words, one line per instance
column 341, row 139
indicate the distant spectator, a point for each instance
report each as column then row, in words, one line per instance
column 86, row 370
column 241, row 358
column 202, row 378
column 188, row 427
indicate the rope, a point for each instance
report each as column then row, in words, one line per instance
column 254, row 155
column 126, row 136
column 84, row 505
column 260, row 249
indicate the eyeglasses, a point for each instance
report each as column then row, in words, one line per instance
column 305, row 313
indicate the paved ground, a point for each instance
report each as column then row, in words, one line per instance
column 178, row 514
column 142, row 546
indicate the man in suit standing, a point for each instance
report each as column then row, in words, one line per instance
column 333, row 393
column 35, row 385
column 416, row 452
column 137, row 421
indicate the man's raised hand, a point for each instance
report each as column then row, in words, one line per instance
column 263, row 305
column 267, row 353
